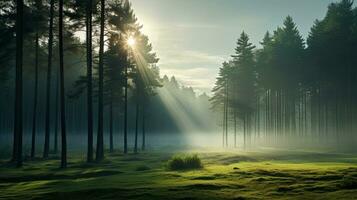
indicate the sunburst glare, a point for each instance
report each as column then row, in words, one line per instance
column 131, row 41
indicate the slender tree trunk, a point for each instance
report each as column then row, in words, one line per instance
column 56, row 116
column 305, row 123
column 136, row 127
column 319, row 112
column 279, row 117
column 313, row 113
column 270, row 111
column 337, row 129
column 224, row 124
column 276, row 116
column 48, row 84
column 126, row 108
column 143, row 131
column 34, row 113
column 100, row 142
column 293, row 115
column 244, row 130
column 62, row 96
column 111, row 145
column 235, row 129
column 258, row 117
column 326, row 121
column 17, row 150
column 89, row 82
column 266, row 116
column 227, row 110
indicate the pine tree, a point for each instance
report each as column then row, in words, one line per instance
column 48, row 84
column 100, row 140
column 17, row 155
column 243, row 82
column 89, row 80
column 62, row 89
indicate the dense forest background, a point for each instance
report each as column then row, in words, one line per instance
column 162, row 126
column 291, row 92
column 83, row 69
column 87, row 76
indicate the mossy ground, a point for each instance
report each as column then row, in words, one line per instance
column 226, row 175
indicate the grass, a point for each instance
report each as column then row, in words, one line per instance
column 226, row 175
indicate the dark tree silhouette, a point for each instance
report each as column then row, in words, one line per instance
column 34, row 116
column 100, row 140
column 46, row 149
column 39, row 29
column 89, row 80
column 17, row 153
column 242, row 80
column 62, row 89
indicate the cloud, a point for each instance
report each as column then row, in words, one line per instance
column 175, row 46
column 198, row 26
column 189, row 57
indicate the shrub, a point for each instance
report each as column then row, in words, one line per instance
column 184, row 162
column 348, row 182
column 142, row 168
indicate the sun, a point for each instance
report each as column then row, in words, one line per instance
column 131, row 41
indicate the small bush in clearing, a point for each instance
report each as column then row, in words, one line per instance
column 184, row 162
column 142, row 168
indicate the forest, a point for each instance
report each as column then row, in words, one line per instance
column 292, row 92
column 86, row 112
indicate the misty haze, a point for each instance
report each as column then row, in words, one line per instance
column 178, row 99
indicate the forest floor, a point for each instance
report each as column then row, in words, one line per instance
column 226, row 175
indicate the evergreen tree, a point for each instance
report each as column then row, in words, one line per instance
column 48, row 84
column 243, row 82
column 62, row 89
column 18, row 129
column 39, row 26
column 100, row 140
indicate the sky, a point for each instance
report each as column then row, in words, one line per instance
column 194, row 37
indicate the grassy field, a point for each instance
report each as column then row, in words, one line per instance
column 226, row 175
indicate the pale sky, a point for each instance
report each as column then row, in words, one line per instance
column 193, row 37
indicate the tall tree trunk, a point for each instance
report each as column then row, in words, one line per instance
column 235, row 129
column 326, row 121
column 111, row 145
column 266, row 116
column 224, row 124
column 244, row 131
column 34, row 113
column 136, row 127
column 305, row 114
column 100, row 141
column 143, row 145
column 126, row 107
column 312, row 113
column 17, row 150
column 258, row 117
column 62, row 95
column 89, row 82
column 337, row 129
column 319, row 112
column 48, row 84
column 56, row 116
column 126, row 112
column 227, row 110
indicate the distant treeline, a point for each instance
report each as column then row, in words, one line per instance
column 291, row 90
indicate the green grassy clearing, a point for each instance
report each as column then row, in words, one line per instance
column 226, row 175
